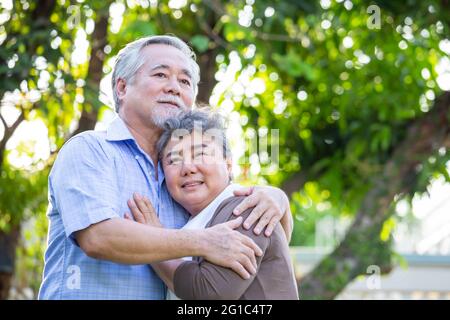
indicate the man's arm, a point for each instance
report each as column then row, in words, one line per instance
column 125, row 241
column 287, row 222
column 85, row 191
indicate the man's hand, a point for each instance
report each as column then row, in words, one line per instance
column 229, row 248
column 270, row 206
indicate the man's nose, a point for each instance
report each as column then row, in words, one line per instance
column 172, row 86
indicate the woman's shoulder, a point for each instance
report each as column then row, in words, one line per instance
column 224, row 211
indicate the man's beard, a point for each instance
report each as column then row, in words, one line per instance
column 160, row 115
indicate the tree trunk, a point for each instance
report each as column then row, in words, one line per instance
column 89, row 114
column 207, row 60
column 8, row 241
column 207, row 63
column 8, row 244
column 362, row 245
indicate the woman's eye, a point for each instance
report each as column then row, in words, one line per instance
column 200, row 154
column 174, row 160
column 160, row 75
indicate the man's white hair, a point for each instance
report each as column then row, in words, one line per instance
column 129, row 60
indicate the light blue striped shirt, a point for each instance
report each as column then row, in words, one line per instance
column 92, row 178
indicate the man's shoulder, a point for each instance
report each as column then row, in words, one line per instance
column 84, row 144
column 88, row 136
column 86, row 139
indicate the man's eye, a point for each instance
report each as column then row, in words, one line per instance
column 160, row 75
column 185, row 82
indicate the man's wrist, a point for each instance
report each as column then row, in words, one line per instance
column 195, row 240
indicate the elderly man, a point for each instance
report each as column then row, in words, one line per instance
column 93, row 253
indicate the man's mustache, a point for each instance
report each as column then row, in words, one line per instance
column 172, row 100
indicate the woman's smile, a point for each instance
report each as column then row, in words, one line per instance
column 191, row 185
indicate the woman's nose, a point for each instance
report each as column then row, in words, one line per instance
column 188, row 167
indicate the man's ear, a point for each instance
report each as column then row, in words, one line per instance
column 121, row 87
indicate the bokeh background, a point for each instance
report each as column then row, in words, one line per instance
column 358, row 91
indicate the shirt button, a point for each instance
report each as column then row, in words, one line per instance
column 136, row 157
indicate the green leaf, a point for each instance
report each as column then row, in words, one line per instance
column 200, row 43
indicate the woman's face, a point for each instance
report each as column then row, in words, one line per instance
column 196, row 170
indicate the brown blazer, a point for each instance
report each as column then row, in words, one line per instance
column 274, row 280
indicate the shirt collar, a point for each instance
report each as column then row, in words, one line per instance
column 118, row 131
column 201, row 219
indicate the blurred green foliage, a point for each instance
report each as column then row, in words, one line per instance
column 342, row 94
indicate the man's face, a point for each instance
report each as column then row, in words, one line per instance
column 160, row 89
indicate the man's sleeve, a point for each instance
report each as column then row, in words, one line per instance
column 84, row 185
column 206, row 281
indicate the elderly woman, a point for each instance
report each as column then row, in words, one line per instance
column 197, row 166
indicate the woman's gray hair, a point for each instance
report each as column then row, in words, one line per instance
column 204, row 120
column 129, row 60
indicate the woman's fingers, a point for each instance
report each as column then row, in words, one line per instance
column 152, row 212
column 146, row 210
column 142, row 206
column 149, row 205
column 137, row 214
column 127, row 216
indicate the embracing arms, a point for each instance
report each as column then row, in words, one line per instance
column 125, row 241
column 203, row 279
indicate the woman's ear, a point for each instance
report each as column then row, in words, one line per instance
column 230, row 168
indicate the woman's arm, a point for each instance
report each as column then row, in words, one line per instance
column 204, row 280
column 166, row 271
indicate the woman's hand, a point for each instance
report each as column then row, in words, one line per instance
column 143, row 211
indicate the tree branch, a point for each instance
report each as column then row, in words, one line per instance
column 9, row 131
column 3, row 122
column 424, row 137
